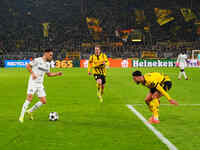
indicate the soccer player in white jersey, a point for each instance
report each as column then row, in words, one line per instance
column 182, row 63
column 37, row 68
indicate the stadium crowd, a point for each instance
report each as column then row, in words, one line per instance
column 22, row 29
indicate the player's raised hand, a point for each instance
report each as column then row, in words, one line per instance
column 89, row 73
column 173, row 102
column 34, row 76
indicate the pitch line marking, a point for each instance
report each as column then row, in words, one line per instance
column 153, row 129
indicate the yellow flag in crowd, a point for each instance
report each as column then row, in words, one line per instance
column 45, row 29
column 163, row 16
column 188, row 14
column 92, row 21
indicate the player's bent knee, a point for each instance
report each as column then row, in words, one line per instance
column 147, row 101
column 148, row 98
column 29, row 97
column 156, row 95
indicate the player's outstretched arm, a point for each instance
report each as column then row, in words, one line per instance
column 54, row 74
column 90, row 65
column 89, row 68
column 178, row 61
column 163, row 92
column 106, row 62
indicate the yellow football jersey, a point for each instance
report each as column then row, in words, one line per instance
column 98, row 64
column 156, row 80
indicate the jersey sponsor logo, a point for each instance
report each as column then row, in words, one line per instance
column 31, row 90
column 43, row 69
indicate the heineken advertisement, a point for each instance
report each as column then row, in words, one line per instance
column 154, row 63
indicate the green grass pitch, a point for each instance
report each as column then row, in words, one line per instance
column 86, row 124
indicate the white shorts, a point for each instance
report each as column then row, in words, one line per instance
column 39, row 91
column 182, row 66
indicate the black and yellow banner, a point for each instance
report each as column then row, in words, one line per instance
column 93, row 21
column 188, row 14
column 163, row 16
column 94, row 27
column 93, row 24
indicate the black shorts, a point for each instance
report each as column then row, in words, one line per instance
column 167, row 85
column 100, row 76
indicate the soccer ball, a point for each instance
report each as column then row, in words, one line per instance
column 53, row 116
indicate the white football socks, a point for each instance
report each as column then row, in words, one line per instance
column 180, row 74
column 24, row 107
column 184, row 75
column 36, row 106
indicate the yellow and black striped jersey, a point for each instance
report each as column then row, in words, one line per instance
column 98, row 64
column 156, row 80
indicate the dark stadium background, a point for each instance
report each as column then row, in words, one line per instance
column 21, row 30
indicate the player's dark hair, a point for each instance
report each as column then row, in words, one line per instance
column 48, row 50
column 137, row 73
column 183, row 51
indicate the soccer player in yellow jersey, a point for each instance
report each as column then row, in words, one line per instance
column 159, row 85
column 98, row 62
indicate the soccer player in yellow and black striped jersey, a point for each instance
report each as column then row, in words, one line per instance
column 98, row 63
column 159, row 85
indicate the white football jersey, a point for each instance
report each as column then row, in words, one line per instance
column 39, row 67
column 182, row 58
